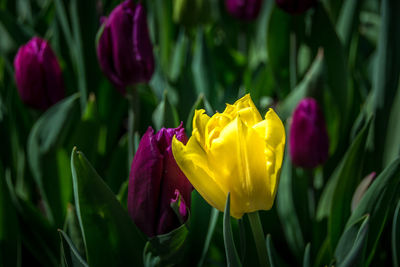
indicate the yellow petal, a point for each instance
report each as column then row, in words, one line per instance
column 214, row 127
column 193, row 162
column 246, row 109
column 272, row 131
column 200, row 120
column 238, row 160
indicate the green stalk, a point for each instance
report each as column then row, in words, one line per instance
column 259, row 237
column 133, row 120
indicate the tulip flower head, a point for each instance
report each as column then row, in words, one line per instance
column 243, row 9
column 295, row 7
column 235, row 151
column 124, row 49
column 309, row 142
column 156, row 183
column 38, row 74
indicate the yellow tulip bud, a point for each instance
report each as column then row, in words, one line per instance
column 235, row 151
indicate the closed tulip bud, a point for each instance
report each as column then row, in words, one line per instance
column 309, row 142
column 156, row 184
column 243, row 9
column 234, row 152
column 124, row 48
column 295, row 7
column 38, row 74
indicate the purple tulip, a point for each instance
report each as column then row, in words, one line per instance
column 38, row 74
column 124, row 49
column 295, row 7
column 243, row 9
column 309, row 142
column 156, row 182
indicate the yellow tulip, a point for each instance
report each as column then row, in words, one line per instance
column 235, row 151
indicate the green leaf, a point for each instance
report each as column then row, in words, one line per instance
column 9, row 236
column 278, row 47
column 387, row 70
column 286, row 209
column 348, row 21
column 339, row 206
column 348, row 167
column 165, row 115
column 70, row 253
column 167, row 248
column 232, row 257
column 110, row 237
column 210, row 233
column 163, row 22
column 392, row 143
column 203, row 73
column 323, row 35
column 396, row 236
column 273, row 257
column 350, row 250
column 46, row 134
column 179, row 56
column 307, row 87
column 200, row 214
column 378, row 201
column 37, row 235
column 307, row 256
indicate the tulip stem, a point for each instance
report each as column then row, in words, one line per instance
column 259, row 237
column 133, row 119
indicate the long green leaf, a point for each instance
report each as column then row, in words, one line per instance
column 110, row 237
column 396, row 236
column 387, row 70
column 278, row 46
column 232, row 257
column 47, row 133
column 323, row 35
column 9, row 236
column 344, row 170
column 210, row 233
column 71, row 254
column 346, row 179
column 350, row 250
column 378, row 201
column 307, row 256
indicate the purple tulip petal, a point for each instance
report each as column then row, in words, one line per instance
column 142, row 46
column 124, row 49
column 309, row 142
column 243, row 9
column 144, row 184
column 38, row 74
column 154, row 180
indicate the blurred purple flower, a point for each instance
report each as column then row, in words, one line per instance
column 243, row 9
column 309, row 142
column 156, row 182
column 38, row 74
column 124, row 49
column 295, row 7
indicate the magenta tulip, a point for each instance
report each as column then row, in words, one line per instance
column 309, row 142
column 243, row 9
column 124, row 49
column 38, row 74
column 156, row 182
